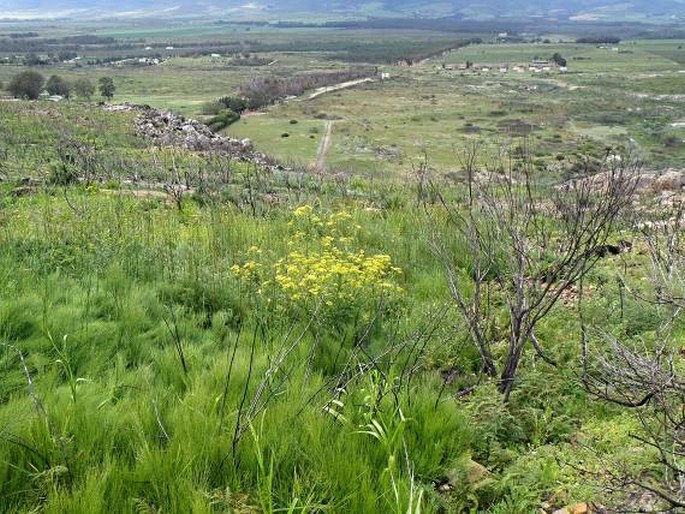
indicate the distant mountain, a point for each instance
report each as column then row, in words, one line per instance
column 561, row 10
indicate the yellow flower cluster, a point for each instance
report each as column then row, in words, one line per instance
column 251, row 270
column 322, row 270
column 334, row 275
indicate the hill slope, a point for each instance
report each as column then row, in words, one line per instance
column 642, row 10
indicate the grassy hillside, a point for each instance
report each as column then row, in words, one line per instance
column 445, row 291
column 157, row 358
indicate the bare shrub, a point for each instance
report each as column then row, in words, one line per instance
column 508, row 243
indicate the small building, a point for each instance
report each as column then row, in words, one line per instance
column 539, row 63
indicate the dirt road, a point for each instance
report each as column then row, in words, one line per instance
column 337, row 87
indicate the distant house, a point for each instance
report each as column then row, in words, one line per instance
column 144, row 60
column 539, row 63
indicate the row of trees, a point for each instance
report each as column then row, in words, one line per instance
column 262, row 91
column 30, row 84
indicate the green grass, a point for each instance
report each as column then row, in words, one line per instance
column 93, row 299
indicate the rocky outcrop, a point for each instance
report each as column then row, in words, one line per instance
column 166, row 128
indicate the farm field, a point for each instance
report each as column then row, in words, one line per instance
column 389, row 285
column 431, row 110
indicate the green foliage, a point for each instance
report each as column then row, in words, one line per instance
column 233, row 103
column 222, row 120
column 83, row 88
column 26, row 84
column 559, row 59
column 106, row 87
column 57, row 85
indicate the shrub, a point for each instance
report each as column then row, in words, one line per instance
column 212, row 108
column 325, row 270
column 56, row 85
column 106, row 86
column 233, row 103
column 27, row 84
column 84, row 88
column 223, row 120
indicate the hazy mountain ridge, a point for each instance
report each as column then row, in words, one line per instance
column 587, row 10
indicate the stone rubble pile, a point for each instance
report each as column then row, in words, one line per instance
column 166, row 128
column 667, row 186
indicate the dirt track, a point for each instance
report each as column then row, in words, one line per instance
column 337, row 87
column 324, row 147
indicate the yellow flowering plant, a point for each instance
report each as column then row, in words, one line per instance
column 324, row 270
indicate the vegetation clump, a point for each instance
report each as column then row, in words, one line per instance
column 26, row 84
column 58, row 86
column 324, row 270
column 106, row 87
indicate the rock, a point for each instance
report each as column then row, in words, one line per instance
column 168, row 129
column 473, row 473
column 24, row 191
column 165, row 128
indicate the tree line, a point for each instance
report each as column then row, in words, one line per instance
column 30, row 84
column 260, row 92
